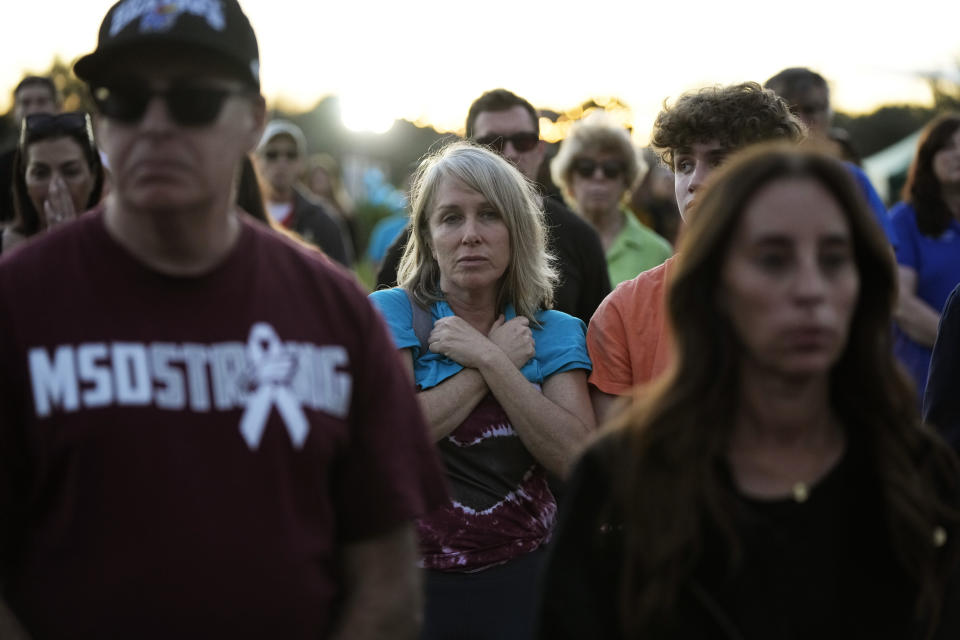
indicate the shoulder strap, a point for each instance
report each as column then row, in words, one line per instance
column 422, row 322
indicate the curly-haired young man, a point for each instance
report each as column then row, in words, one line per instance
column 627, row 337
column 695, row 134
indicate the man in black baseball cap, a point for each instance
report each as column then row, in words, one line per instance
column 203, row 430
column 206, row 28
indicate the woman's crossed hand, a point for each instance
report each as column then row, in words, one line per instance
column 455, row 338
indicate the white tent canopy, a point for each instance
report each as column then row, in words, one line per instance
column 892, row 161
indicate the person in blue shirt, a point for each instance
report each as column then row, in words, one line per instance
column 941, row 402
column 808, row 95
column 927, row 223
column 502, row 380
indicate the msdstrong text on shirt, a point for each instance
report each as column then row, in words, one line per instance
column 258, row 375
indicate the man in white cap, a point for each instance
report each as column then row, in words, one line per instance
column 280, row 159
column 204, row 431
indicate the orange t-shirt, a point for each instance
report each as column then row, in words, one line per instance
column 627, row 337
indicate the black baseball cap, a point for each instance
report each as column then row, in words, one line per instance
column 217, row 28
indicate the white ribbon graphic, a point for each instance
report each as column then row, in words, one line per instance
column 270, row 368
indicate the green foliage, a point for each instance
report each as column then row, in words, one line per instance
column 887, row 125
column 73, row 91
column 365, row 273
column 400, row 149
column 366, row 216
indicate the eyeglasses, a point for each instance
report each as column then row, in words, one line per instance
column 189, row 105
column 587, row 167
column 273, row 154
column 45, row 125
column 522, row 142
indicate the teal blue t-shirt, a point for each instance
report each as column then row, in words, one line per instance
column 560, row 340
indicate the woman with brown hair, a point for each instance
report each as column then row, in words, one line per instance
column 927, row 223
column 57, row 174
column 776, row 483
column 595, row 168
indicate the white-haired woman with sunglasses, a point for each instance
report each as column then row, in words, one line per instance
column 501, row 380
column 57, row 174
column 595, row 168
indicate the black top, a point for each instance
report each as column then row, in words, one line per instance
column 584, row 281
column 312, row 222
column 6, row 185
column 941, row 402
column 823, row 568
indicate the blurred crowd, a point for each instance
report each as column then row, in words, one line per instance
column 698, row 390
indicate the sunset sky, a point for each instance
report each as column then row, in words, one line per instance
column 425, row 60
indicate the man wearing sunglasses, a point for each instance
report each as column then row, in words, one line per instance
column 509, row 125
column 33, row 94
column 280, row 160
column 627, row 338
column 203, row 432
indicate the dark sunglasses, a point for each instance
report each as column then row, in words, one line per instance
column 189, row 105
column 522, row 142
column 273, row 154
column 586, row 167
column 44, row 125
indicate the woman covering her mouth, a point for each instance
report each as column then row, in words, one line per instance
column 57, row 174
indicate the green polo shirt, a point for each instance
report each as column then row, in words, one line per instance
column 635, row 249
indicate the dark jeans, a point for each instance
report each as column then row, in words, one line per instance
column 494, row 604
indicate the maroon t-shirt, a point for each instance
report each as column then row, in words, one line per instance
column 183, row 457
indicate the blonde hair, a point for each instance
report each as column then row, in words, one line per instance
column 338, row 193
column 595, row 133
column 529, row 279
